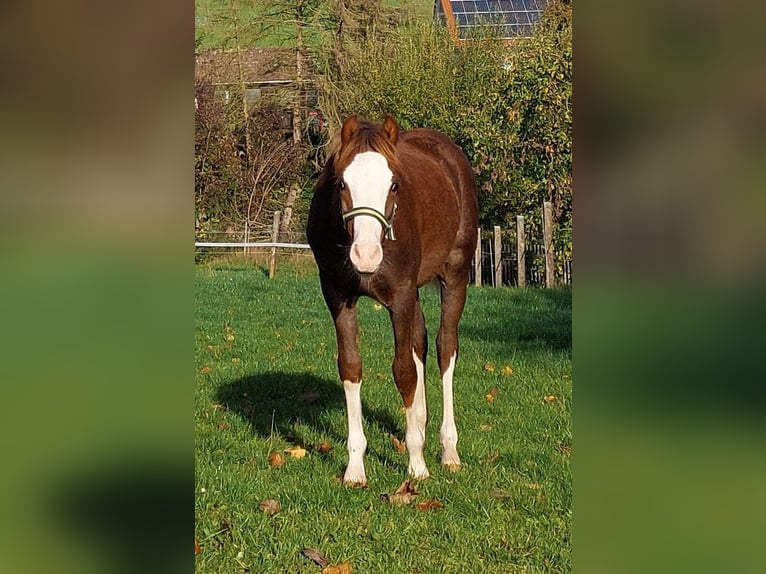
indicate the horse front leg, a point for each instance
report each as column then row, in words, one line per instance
column 350, row 371
column 409, row 375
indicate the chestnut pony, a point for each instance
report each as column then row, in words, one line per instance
column 393, row 210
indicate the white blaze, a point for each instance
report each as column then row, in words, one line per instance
column 368, row 178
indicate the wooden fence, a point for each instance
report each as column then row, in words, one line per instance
column 518, row 262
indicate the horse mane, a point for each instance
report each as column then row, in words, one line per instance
column 369, row 137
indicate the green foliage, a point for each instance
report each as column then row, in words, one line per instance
column 263, row 346
column 509, row 106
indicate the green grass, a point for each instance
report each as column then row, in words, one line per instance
column 507, row 510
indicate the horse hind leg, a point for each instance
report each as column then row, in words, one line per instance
column 452, row 303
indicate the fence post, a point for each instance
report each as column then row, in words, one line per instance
column 521, row 252
column 550, row 265
column 274, row 238
column 477, row 258
column 498, row 257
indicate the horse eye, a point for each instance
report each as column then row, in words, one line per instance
column 394, row 187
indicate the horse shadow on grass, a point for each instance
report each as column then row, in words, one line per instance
column 285, row 404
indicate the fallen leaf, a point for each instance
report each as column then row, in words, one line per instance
column 296, row 451
column 486, row 427
column 219, row 407
column 223, row 425
column 399, row 445
column 197, row 547
column 489, row 367
column 534, row 485
column 549, row 398
column 493, row 457
column 276, row 460
column 492, row 395
column 565, row 448
column 229, row 337
column 309, row 397
column 270, row 507
column 314, row 556
column 507, row 371
column 404, row 495
column 235, row 359
column 490, row 399
column 429, row 504
column 377, row 307
column 342, row 568
column 205, row 370
column 324, row 447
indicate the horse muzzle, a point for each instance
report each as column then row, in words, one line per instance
column 366, row 257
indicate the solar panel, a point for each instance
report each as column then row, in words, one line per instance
column 502, row 18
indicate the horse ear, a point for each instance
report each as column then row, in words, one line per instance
column 350, row 127
column 391, row 129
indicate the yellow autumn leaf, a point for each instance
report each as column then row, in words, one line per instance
column 377, row 307
column 342, row 568
column 490, row 398
column 506, row 370
column 549, row 398
column 489, row 367
column 296, row 451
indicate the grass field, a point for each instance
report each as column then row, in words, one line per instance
column 267, row 381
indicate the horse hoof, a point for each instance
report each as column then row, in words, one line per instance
column 451, row 466
column 354, row 483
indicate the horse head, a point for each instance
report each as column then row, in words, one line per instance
column 366, row 176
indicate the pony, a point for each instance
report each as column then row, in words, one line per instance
column 393, row 210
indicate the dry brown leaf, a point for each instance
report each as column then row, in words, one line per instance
column 197, row 547
column 493, row 456
column 229, row 337
column 296, row 451
column 490, row 398
column 314, row 556
column 276, row 460
column 270, row 507
column 223, row 425
column 489, row 367
column 429, row 504
column 324, row 447
column 506, row 370
column 309, row 397
column 205, row 370
column 399, row 445
column 342, row 568
column 549, row 398
column 404, row 495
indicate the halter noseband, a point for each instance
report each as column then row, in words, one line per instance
column 388, row 224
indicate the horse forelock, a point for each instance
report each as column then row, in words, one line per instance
column 369, row 137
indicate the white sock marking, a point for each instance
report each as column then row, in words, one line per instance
column 357, row 443
column 449, row 430
column 416, row 425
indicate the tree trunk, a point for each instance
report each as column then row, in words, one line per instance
column 287, row 215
